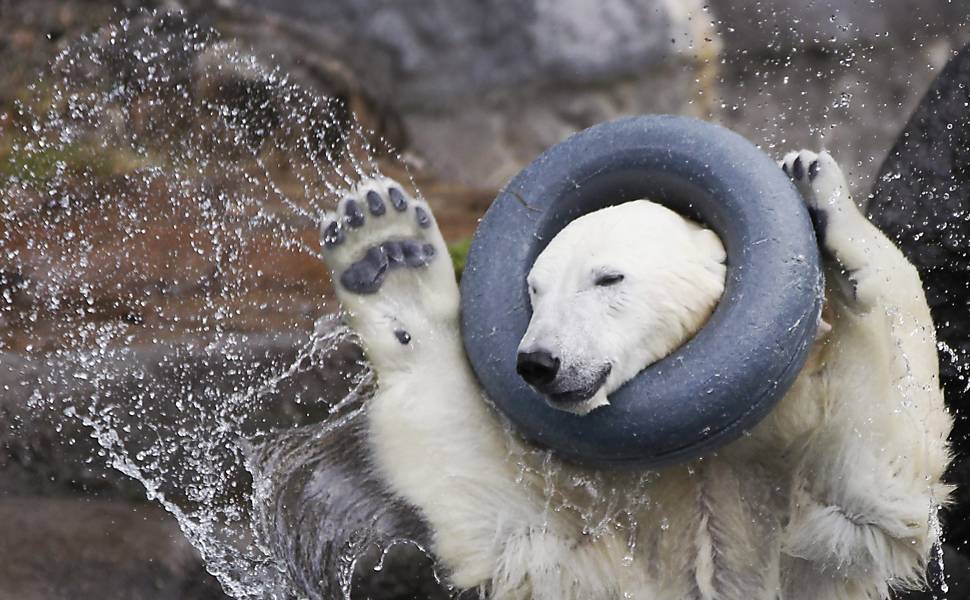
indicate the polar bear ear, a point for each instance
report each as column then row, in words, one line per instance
column 710, row 244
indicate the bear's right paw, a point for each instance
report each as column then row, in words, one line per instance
column 378, row 229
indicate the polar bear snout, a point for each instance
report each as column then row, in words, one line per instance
column 574, row 396
column 565, row 385
column 538, row 368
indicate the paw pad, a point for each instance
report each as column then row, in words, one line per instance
column 354, row 215
column 364, row 239
column 398, row 200
column 374, row 204
column 333, row 235
column 366, row 275
column 422, row 217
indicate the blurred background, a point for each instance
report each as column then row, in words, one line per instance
column 458, row 95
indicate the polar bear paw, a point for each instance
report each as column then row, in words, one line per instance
column 844, row 234
column 823, row 188
column 390, row 267
column 379, row 229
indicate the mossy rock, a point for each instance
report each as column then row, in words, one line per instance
column 459, row 253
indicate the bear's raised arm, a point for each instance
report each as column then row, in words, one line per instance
column 868, row 479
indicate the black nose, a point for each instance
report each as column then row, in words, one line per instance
column 537, row 368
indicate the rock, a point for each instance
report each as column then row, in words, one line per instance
column 446, row 52
column 487, row 141
column 45, row 450
column 482, row 87
column 794, row 26
column 480, row 90
column 833, row 74
column 53, row 549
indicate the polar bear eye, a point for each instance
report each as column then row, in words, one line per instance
column 608, row 279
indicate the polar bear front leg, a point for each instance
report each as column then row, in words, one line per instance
column 390, row 269
column 868, row 479
column 433, row 439
column 869, row 267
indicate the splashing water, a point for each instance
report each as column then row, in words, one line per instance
column 936, row 555
column 159, row 188
column 160, row 198
column 169, row 173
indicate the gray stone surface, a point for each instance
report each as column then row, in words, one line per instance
column 43, row 451
column 59, row 549
column 786, row 26
column 843, row 75
column 437, row 52
column 485, row 143
column 483, row 86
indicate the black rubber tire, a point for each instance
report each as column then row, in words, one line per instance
column 728, row 376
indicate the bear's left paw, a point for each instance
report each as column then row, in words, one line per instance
column 822, row 186
column 843, row 232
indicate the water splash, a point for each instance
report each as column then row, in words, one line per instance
column 936, row 554
column 160, row 191
column 153, row 122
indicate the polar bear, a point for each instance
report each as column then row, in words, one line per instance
column 832, row 496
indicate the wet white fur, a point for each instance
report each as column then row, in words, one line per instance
column 830, row 497
column 673, row 276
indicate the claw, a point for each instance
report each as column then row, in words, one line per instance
column 820, row 222
column 395, row 254
column 414, row 254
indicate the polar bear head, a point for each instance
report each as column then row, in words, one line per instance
column 613, row 292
